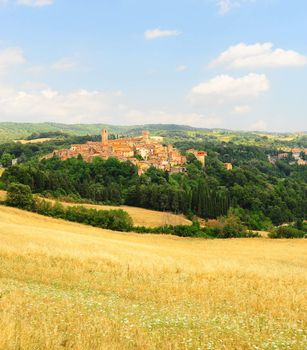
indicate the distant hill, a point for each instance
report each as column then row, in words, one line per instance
column 12, row 131
column 15, row 131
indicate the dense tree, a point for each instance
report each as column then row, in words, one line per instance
column 20, row 196
column 6, row 160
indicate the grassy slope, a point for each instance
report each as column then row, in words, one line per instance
column 64, row 285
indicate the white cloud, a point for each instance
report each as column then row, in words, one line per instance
column 258, row 56
column 35, row 3
column 10, row 57
column 225, row 6
column 181, row 68
column 158, row 33
column 44, row 104
column 36, row 101
column 259, row 125
column 243, row 109
column 224, row 87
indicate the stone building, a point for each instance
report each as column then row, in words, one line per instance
column 142, row 151
column 200, row 155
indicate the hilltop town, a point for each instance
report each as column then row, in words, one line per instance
column 143, row 151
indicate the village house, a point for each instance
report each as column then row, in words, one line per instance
column 142, row 151
column 228, row 166
column 301, row 162
column 200, row 155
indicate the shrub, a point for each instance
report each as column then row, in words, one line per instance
column 287, row 232
column 118, row 220
column 20, row 196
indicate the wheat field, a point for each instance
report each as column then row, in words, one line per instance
column 69, row 286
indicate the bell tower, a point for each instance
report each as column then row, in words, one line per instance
column 104, row 137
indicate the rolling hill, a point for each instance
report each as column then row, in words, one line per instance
column 70, row 286
column 13, row 131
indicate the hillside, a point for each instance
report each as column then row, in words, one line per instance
column 65, row 285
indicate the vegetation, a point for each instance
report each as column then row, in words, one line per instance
column 261, row 194
column 117, row 220
column 299, row 230
column 70, row 286
column 20, row 196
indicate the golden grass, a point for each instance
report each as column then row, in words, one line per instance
column 45, row 139
column 141, row 216
column 1, row 171
column 69, row 286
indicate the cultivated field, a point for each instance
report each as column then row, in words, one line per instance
column 69, row 286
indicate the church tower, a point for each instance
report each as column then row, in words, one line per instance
column 104, row 137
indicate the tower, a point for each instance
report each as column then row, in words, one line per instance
column 104, row 137
column 145, row 135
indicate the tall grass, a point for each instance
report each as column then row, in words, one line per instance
column 70, row 286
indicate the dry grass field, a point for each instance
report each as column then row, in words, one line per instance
column 24, row 142
column 69, row 286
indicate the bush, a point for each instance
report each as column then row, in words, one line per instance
column 118, row 220
column 287, row 232
column 196, row 231
column 20, row 196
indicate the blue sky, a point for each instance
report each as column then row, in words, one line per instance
column 237, row 64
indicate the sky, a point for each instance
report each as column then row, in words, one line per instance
column 235, row 64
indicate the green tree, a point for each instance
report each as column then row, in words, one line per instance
column 20, row 196
column 6, row 160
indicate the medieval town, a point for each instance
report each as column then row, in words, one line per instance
column 143, row 151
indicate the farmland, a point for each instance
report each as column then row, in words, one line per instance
column 65, row 285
